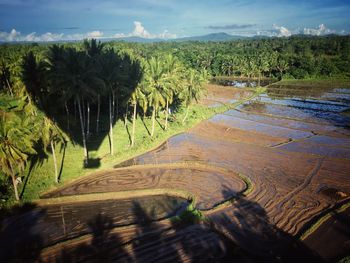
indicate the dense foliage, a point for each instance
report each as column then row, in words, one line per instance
column 71, row 86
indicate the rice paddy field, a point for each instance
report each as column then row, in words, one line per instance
column 262, row 176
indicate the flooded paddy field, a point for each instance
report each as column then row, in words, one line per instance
column 261, row 173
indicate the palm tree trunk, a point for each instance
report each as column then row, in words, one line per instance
column 88, row 119
column 133, row 126
column 111, row 126
column 117, row 107
column 86, row 157
column 113, row 108
column 14, row 183
column 54, row 160
column 9, row 87
column 166, row 115
column 126, row 115
column 75, row 109
column 83, row 112
column 153, row 121
column 184, row 119
column 67, row 111
column 98, row 112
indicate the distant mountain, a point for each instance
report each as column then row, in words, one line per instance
column 205, row 38
column 133, row 39
column 211, row 37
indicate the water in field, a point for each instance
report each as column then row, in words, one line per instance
column 239, row 83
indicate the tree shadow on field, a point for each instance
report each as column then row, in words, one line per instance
column 35, row 160
column 248, row 224
column 105, row 245
column 23, row 236
column 144, row 124
column 18, row 240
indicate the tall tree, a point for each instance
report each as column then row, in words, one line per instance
column 78, row 78
column 16, row 138
column 51, row 135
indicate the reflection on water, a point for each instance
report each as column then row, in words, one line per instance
column 238, row 83
column 311, row 104
column 309, row 115
column 306, row 104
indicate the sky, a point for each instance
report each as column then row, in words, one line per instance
column 52, row 20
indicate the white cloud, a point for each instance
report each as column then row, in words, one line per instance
column 282, row 31
column 320, row 31
column 167, row 35
column 94, row 34
column 119, row 35
column 15, row 36
column 140, row 31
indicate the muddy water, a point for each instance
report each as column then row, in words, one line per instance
column 303, row 114
column 267, row 129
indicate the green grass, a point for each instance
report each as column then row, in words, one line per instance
column 42, row 176
column 189, row 216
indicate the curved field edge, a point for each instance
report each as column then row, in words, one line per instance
column 155, row 191
column 318, row 221
column 42, row 176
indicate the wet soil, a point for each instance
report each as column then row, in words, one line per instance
column 294, row 152
column 332, row 239
column 218, row 95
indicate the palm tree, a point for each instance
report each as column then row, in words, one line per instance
column 192, row 89
column 109, row 73
column 77, row 77
column 51, row 134
column 154, row 78
column 282, row 65
column 137, row 97
column 94, row 50
column 33, row 78
column 16, row 140
column 171, row 82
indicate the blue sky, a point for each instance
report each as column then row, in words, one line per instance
column 75, row 19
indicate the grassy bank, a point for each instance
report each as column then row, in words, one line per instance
column 40, row 177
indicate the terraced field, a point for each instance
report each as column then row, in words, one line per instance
column 261, row 174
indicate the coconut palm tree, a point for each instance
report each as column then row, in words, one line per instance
column 94, row 50
column 33, row 76
column 192, row 89
column 137, row 97
column 77, row 77
column 109, row 73
column 51, row 134
column 171, row 82
column 16, row 139
column 154, row 76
